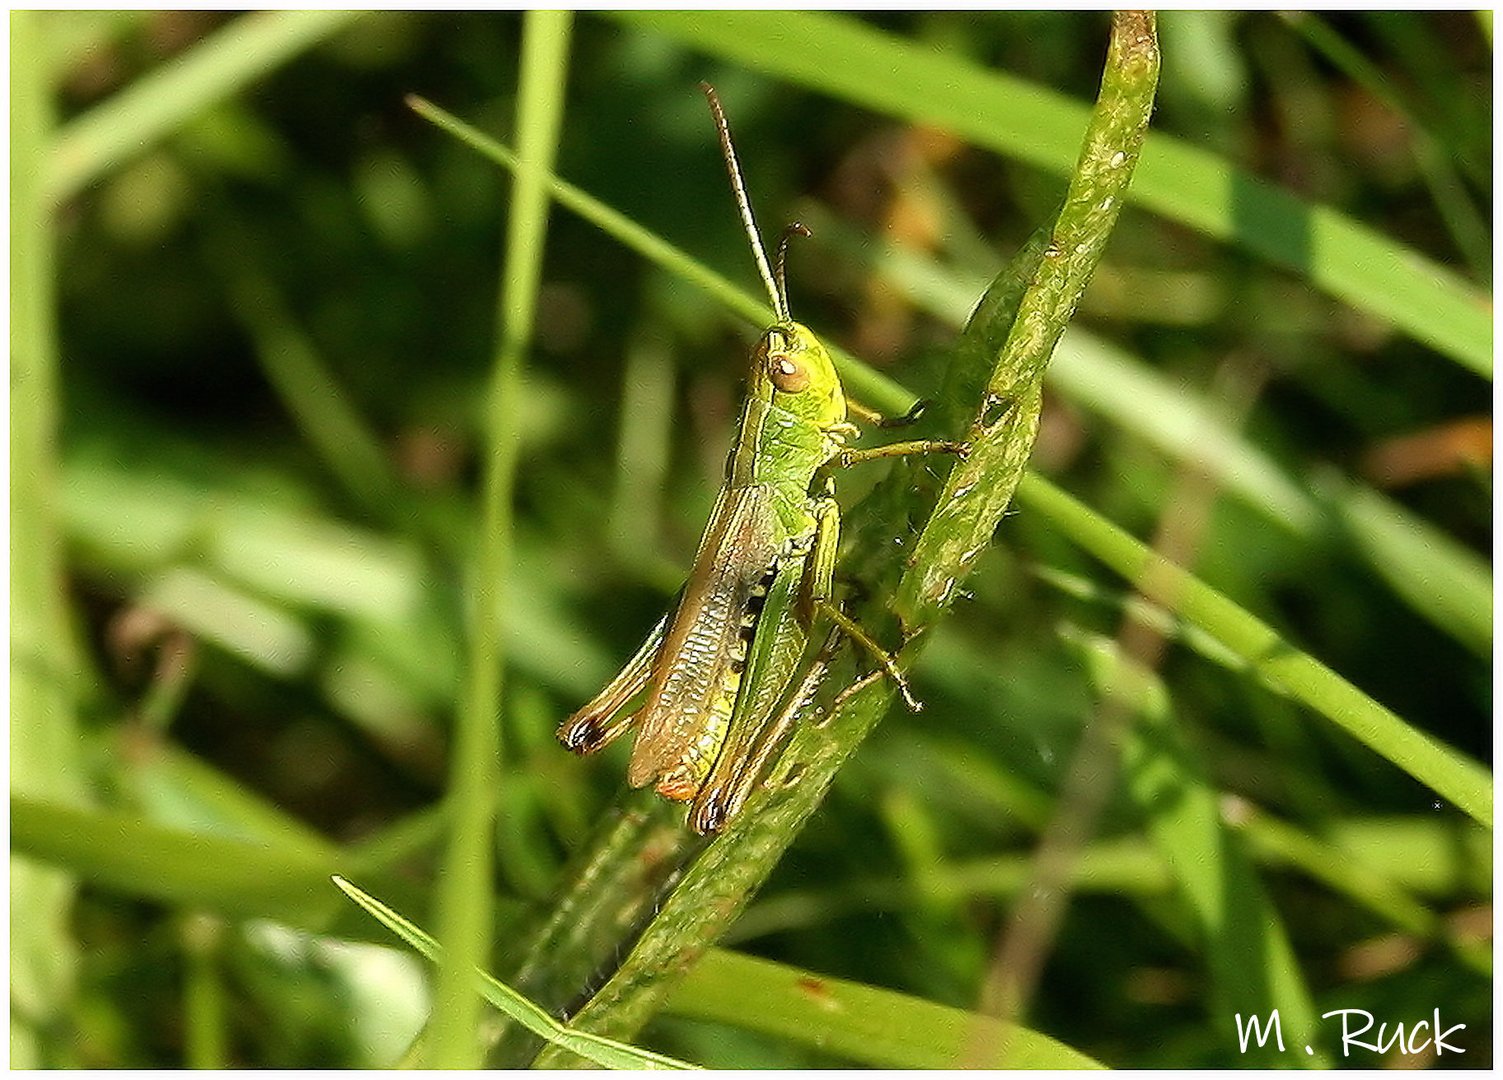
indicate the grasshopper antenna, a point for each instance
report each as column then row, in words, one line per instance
column 779, row 299
column 796, row 229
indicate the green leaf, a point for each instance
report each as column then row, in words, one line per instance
column 163, row 99
column 1277, row 663
column 123, row 852
column 840, row 56
column 1440, row 579
column 867, row 1024
column 602, row 1051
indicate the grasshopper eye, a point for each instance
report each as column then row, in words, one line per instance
column 786, row 373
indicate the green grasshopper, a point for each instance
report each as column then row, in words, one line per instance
column 721, row 672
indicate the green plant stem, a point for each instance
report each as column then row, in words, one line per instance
column 979, row 488
column 610, row 893
column 44, row 759
column 465, row 888
column 720, row 882
column 203, row 992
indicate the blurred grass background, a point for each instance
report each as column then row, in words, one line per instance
column 272, row 289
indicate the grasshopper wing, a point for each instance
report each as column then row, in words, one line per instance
column 693, row 688
column 597, row 722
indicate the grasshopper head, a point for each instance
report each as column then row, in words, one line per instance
column 793, row 371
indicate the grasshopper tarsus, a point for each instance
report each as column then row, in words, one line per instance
column 852, row 629
column 905, row 692
column 868, row 415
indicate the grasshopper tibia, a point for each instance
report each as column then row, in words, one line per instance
column 853, row 630
column 847, row 458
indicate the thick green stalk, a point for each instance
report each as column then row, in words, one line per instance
column 465, row 886
column 610, row 893
column 43, row 672
column 980, row 487
column 1012, row 353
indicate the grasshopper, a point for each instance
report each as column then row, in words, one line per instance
column 722, row 671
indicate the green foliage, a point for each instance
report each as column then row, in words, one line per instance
column 254, row 336
column 593, row 1048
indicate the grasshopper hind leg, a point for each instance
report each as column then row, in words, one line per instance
column 818, row 597
column 731, row 783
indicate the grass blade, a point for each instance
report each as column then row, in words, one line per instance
column 840, row 56
column 250, row 879
column 1280, row 665
column 322, row 410
column 1251, row 961
column 601, row 1051
column 1439, row 578
column 1276, row 843
column 150, row 109
column 44, row 761
column 864, row 1023
column 864, row 383
column 464, row 896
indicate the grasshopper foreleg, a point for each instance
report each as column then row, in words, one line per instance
column 847, row 458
